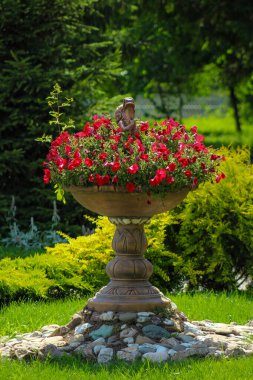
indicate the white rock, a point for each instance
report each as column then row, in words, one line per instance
column 156, row 357
column 123, row 326
column 189, row 327
column 82, row 328
column 98, row 348
column 105, row 355
column 107, row 316
column 171, row 352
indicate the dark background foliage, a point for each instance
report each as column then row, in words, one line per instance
column 98, row 50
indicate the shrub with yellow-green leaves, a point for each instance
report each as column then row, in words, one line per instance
column 212, row 232
column 77, row 267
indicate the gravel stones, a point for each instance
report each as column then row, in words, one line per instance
column 157, row 337
column 155, row 332
column 105, row 355
column 103, row 332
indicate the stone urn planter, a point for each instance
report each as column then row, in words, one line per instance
column 129, row 288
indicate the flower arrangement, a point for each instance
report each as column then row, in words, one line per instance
column 158, row 158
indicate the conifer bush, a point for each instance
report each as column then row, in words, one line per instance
column 212, row 232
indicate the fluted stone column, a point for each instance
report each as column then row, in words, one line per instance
column 129, row 288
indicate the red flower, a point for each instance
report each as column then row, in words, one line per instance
column 214, row 157
column 102, row 156
column 199, row 138
column 88, row 162
column 170, row 179
column 61, row 163
column 194, row 129
column 144, row 126
column 133, row 169
column 115, row 166
column 61, row 139
column 115, row 179
column 154, row 181
column 177, row 136
column 130, row 186
column 144, row 157
column 183, row 161
column 171, row 167
column 194, row 182
column 219, row 177
column 102, row 179
column 68, row 150
column 74, row 163
column 47, row 176
column 161, row 174
column 187, row 173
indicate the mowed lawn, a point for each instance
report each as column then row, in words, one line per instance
column 24, row 317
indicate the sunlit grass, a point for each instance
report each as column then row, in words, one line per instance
column 29, row 316
column 219, row 131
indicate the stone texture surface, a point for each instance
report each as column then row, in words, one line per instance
column 131, row 336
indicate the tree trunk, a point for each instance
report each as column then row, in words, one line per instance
column 234, row 104
column 180, row 108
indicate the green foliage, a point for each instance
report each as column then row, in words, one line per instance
column 77, row 267
column 212, row 232
column 43, row 42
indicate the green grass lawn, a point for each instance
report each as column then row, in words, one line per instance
column 26, row 317
column 220, row 130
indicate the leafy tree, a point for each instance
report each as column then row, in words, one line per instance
column 225, row 29
column 43, row 42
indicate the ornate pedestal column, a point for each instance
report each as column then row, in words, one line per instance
column 129, row 288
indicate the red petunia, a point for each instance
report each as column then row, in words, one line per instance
column 88, row 162
column 102, row 156
column 187, row 173
column 170, row 179
column 133, row 169
column 219, row 177
column 144, row 126
column 115, row 166
column 171, row 167
column 130, row 186
column 74, row 163
column 183, row 162
column 47, row 176
column 161, row 174
column 102, row 179
column 144, row 157
column 177, row 136
column 115, row 179
column 194, row 129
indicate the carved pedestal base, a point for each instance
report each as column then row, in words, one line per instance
column 129, row 288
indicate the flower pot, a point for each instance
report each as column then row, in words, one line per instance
column 129, row 288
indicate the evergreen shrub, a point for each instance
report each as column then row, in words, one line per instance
column 212, row 232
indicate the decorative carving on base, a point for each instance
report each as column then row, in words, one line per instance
column 129, row 288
